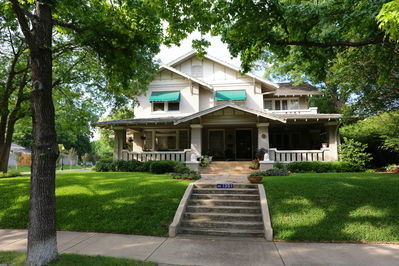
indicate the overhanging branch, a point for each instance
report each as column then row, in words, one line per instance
column 331, row 44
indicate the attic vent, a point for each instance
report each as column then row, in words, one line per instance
column 196, row 71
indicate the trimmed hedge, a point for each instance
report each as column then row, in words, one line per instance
column 321, row 167
column 155, row 167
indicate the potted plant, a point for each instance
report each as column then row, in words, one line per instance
column 260, row 154
column 255, row 177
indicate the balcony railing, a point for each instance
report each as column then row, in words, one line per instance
column 297, row 155
column 310, row 110
column 180, row 156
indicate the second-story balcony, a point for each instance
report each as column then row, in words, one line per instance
column 310, row 110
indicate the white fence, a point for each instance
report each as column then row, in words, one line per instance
column 297, row 155
column 180, row 156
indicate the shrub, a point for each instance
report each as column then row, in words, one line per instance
column 276, row 172
column 9, row 174
column 279, row 165
column 181, row 168
column 319, row 167
column 353, row 152
column 255, row 164
column 161, row 167
column 192, row 175
column 104, row 165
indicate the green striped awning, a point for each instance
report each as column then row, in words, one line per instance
column 237, row 95
column 165, row 96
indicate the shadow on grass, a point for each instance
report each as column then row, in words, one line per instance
column 134, row 203
column 327, row 207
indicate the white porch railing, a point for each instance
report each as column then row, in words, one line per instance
column 298, row 155
column 180, row 156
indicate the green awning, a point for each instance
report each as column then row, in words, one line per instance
column 165, row 96
column 238, row 95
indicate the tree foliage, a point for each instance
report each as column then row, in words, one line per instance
column 388, row 19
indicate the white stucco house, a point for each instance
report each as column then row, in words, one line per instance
column 205, row 106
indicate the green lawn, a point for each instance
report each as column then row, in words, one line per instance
column 26, row 168
column 133, row 203
column 334, row 206
column 18, row 258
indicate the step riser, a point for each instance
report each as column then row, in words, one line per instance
column 225, row 191
column 222, row 218
column 226, row 225
column 205, row 209
column 225, row 197
column 188, row 231
column 224, row 203
column 213, row 186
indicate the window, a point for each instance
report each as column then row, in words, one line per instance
column 173, row 106
column 268, row 104
column 281, row 104
column 160, row 106
column 183, row 140
column 147, row 140
column 294, row 104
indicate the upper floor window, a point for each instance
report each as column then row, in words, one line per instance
column 163, row 101
column 281, row 104
column 165, row 106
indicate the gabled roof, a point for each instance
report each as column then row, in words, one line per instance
column 174, row 70
column 214, row 59
column 231, row 105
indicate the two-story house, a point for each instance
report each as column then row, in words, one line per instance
column 205, row 106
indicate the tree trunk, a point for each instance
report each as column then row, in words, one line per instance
column 42, row 238
column 4, row 156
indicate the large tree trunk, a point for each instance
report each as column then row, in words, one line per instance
column 42, row 238
column 4, row 156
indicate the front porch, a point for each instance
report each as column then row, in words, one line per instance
column 231, row 133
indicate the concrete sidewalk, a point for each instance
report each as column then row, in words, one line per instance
column 186, row 250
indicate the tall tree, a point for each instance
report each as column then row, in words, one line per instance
column 124, row 35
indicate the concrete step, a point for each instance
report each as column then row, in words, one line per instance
column 211, row 216
column 222, row 232
column 223, row 209
column 226, row 196
column 211, row 202
column 204, row 223
column 235, row 185
column 225, row 191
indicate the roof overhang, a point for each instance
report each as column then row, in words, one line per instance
column 231, row 105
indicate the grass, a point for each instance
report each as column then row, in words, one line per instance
column 26, row 168
column 131, row 203
column 334, row 206
column 18, row 258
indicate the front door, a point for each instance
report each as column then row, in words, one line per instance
column 216, row 142
column 244, row 144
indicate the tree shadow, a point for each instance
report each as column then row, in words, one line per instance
column 328, row 207
column 134, row 203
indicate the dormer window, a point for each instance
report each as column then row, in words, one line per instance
column 165, row 101
column 281, row 104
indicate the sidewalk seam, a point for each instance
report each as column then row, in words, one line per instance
column 78, row 243
column 278, row 251
column 156, row 249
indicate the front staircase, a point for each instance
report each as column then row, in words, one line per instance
column 227, row 167
column 223, row 211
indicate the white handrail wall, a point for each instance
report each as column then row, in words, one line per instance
column 180, row 156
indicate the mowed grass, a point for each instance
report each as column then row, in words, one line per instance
column 18, row 258
column 334, row 206
column 132, row 203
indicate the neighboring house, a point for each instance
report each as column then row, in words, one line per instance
column 25, row 158
column 205, row 106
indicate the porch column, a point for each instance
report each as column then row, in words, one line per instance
column 120, row 139
column 196, row 139
column 138, row 142
column 332, row 130
column 263, row 135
